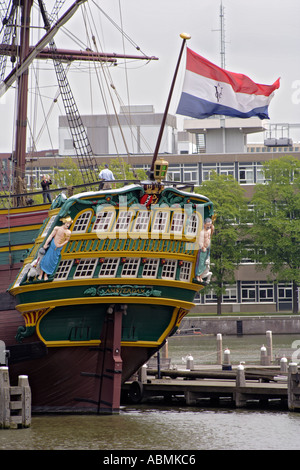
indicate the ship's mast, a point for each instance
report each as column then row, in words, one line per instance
column 21, row 122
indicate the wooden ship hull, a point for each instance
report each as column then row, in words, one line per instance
column 123, row 283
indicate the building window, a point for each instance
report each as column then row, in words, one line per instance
column 220, row 168
column 130, row 268
column 230, row 295
column 185, row 271
column 246, row 173
column 248, row 291
column 207, row 169
column 226, row 169
column 210, row 297
column 249, row 254
column 85, row 267
column 285, row 292
column 260, row 178
column 169, row 269
column 190, row 174
column 266, row 293
column 174, row 173
column 108, row 267
column 63, row 269
column 150, row 268
column 82, row 222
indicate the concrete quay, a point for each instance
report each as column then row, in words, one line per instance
column 240, row 324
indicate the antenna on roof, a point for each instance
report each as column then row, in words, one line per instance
column 222, row 35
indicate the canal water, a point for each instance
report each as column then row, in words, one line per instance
column 180, row 428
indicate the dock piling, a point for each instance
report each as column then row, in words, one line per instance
column 219, row 349
column 283, row 364
column 269, row 346
column 15, row 402
column 264, row 359
column 4, row 398
column 226, row 362
column 240, row 398
column 189, row 362
column 293, row 387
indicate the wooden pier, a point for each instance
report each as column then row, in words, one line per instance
column 15, row 402
column 241, row 386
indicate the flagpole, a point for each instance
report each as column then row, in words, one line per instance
column 184, row 36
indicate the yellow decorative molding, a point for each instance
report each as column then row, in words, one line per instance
column 104, row 300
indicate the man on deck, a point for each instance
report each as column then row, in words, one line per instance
column 106, row 175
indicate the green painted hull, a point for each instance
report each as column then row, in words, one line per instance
column 85, row 323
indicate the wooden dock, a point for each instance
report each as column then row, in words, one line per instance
column 241, row 386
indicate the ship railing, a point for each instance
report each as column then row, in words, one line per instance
column 33, row 198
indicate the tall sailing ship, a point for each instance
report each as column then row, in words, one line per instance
column 123, row 269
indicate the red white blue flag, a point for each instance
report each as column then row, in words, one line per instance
column 209, row 89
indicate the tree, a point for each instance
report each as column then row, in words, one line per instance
column 67, row 174
column 276, row 225
column 230, row 208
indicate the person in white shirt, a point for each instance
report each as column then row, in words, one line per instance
column 106, row 175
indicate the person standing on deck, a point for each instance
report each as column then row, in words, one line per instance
column 45, row 183
column 107, row 175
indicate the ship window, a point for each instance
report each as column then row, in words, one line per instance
column 130, row 268
column 192, row 225
column 124, row 220
column 85, row 267
column 63, row 269
column 82, row 222
column 142, row 221
column 169, row 269
column 48, row 226
column 160, row 221
column 150, row 268
column 103, row 221
column 109, row 267
column 185, row 271
column 177, row 222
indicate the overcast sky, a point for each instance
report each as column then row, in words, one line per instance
column 262, row 41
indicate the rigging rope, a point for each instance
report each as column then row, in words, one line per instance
column 111, row 86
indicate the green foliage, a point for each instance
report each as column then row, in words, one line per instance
column 66, row 174
column 276, row 219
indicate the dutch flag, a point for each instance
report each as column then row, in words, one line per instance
column 209, row 89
